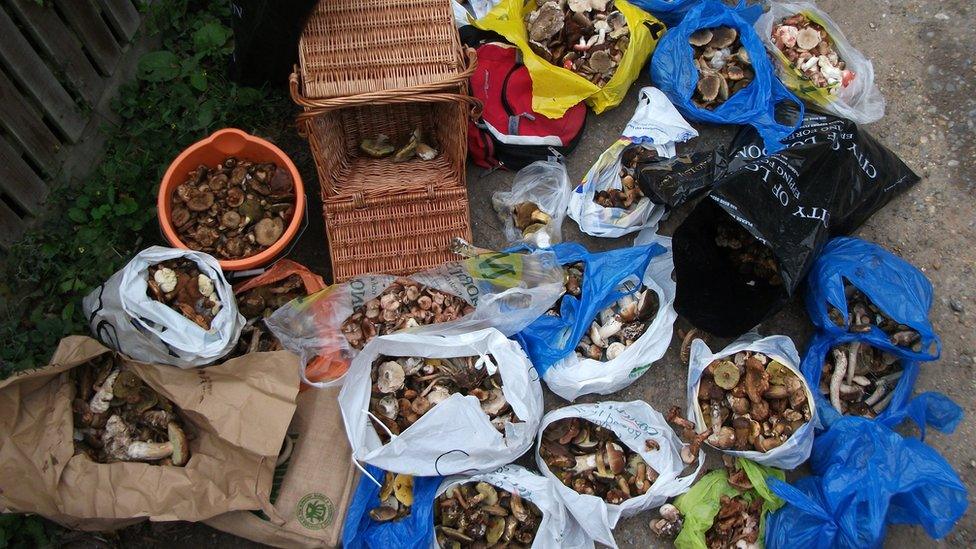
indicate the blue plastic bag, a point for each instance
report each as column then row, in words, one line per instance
column 673, row 71
column 669, row 11
column 550, row 338
column 866, row 477
column 415, row 531
column 929, row 408
column 894, row 285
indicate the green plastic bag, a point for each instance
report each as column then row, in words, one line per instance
column 699, row 505
column 555, row 89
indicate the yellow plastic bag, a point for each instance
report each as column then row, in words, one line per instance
column 700, row 505
column 555, row 89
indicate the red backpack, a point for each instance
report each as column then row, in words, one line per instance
column 509, row 133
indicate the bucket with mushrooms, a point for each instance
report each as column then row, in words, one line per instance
column 750, row 400
column 167, row 306
column 115, row 430
column 818, row 63
column 234, row 196
column 403, row 392
column 612, row 460
column 506, row 290
column 510, row 506
column 618, row 343
column 859, row 288
column 580, row 50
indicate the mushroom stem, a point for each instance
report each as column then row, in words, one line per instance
column 879, row 392
column 840, row 368
column 880, row 407
column 852, row 351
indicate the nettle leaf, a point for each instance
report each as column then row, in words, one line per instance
column 159, row 66
column 77, row 215
column 249, row 96
column 210, row 37
column 198, row 80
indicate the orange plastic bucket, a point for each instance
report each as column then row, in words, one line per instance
column 210, row 152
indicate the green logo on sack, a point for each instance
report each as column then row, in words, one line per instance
column 315, row 511
column 638, row 371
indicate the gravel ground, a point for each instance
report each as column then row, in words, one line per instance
column 925, row 70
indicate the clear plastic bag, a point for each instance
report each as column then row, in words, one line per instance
column 545, row 183
column 861, row 101
column 507, row 292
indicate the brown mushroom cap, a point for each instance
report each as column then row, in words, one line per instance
column 281, row 182
column 269, row 230
column 180, row 216
column 735, row 72
column 181, row 451
column 726, row 374
column 200, row 201
column 235, row 197
column 615, row 458
column 523, row 214
column 723, row 37
column 709, row 85
column 700, row 37
column 231, row 219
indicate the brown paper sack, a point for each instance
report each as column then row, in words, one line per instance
column 237, row 412
column 316, row 483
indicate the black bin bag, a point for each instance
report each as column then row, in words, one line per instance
column 826, row 182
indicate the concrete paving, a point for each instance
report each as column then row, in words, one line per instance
column 923, row 62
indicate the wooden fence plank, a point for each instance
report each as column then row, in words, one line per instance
column 26, row 126
column 62, row 47
column 123, row 15
column 30, row 70
column 11, row 226
column 88, row 24
column 19, row 180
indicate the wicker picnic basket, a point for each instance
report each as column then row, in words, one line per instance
column 369, row 67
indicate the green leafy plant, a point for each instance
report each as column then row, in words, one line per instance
column 180, row 95
column 23, row 532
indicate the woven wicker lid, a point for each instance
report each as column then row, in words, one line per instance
column 351, row 47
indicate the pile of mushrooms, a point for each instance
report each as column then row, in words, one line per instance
column 411, row 146
column 592, row 460
column 179, row 283
column 404, row 304
column 257, row 304
column 572, row 283
column 406, row 388
column 532, row 222
column 476, row 514
column 235, row 210
column 736, row 524
column 810, row 51
column 864, row 313
column 629, row 194
column 396, row 498
column 619, row 325
column 118, row 417
column 588, row 37
column 750, row 257
column 723, row 65
column 859, row 379
column 686, row 431
column 670, row 523
column 750, row 401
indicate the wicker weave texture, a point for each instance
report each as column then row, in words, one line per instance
column 351, row 47
column 398, row 234
column 335, row 136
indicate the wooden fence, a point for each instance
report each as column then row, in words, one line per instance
column 61, row 61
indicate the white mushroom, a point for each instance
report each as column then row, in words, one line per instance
column 100, row 402
column 614, row 350
column 205, row 285
column 390, row 377
column 437, row 395
column 495, row 402
column 412, row 365
column 610, row 329
column 166, row 278
column 808, row 38
column 595, row 336
column 388, row 407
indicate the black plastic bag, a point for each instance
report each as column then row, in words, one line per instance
column 827, row 181
column 674, row 181
column 266, row 37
